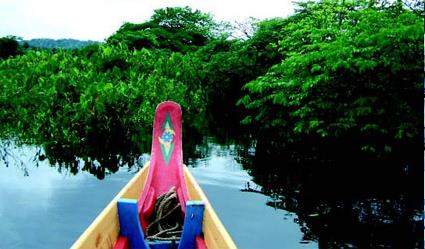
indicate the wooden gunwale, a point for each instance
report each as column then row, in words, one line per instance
column 104, row 230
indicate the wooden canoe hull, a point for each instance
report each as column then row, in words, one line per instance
column 104, row 231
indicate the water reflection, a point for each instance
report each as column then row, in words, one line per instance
column 40, row 208
column 56, row 208
column 344, row 205
column 99, row 165
column 251, row 223
column 284, row 203
column 98, row 162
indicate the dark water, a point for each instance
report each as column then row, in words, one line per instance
column 286, row 206
column 42, row 208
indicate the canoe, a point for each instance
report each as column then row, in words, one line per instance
column 125, row 220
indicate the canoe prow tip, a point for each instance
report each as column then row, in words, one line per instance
column 168, row 103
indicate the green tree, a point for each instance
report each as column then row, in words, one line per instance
column 73, row 101
column 228, row 64
column 350, row 71
column 176, row 29
column 9, row 46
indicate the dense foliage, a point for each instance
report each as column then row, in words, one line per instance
column 344, row 71
column 349, row 71
column 106, row 99
column 176, row 29
column 9, row 46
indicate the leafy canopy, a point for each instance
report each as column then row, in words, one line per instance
column 348, row 70
column 176, row 29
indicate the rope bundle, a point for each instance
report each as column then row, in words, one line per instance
column 166, row 221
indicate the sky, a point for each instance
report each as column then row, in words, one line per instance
column 98, row 19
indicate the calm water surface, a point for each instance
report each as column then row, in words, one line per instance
column 43, row 208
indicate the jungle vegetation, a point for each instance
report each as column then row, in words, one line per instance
column 336, row 74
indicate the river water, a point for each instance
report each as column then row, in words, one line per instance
column 46, row 206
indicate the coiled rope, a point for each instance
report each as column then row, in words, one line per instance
column 166, row 221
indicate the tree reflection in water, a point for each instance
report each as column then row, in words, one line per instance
column 357, row 203
column 351, row 203
column 99, row 163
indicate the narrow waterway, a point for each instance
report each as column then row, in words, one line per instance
column 45, row 206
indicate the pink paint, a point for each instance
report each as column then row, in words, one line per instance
column 163, row 176
column 200, row 243
column 121, row 243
